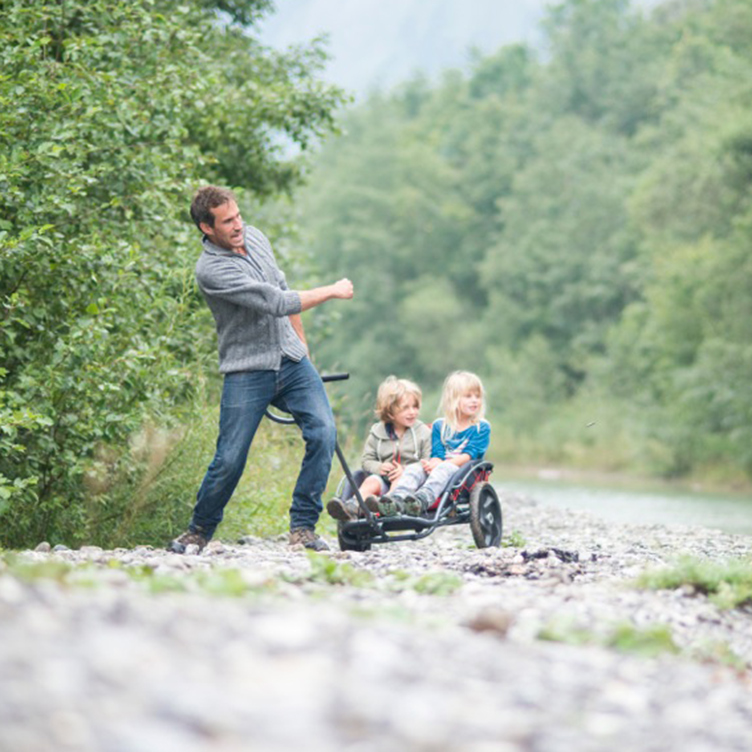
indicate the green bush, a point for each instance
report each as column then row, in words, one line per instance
column 148, row 497
column 102, row 329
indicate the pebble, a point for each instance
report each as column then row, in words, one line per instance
column 429, row 645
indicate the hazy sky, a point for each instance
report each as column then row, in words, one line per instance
column 381, row 42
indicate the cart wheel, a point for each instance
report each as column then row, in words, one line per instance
column 485, row 516
column 349, row 542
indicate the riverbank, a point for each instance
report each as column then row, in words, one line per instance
column 716, row 483
column 432, row 645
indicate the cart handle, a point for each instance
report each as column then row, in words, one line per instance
column 288, row 420
column 335, row 376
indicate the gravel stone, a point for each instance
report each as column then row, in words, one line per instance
column 250, row 645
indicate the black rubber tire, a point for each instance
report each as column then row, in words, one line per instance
column 349, row 543
column 486, row 521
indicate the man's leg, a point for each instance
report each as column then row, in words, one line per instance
column 302, row 393
column 245, row 397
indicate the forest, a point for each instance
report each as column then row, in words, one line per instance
column 572, row 222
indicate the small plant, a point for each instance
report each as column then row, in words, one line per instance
column 437, row 583
column 28, row 571
column 431, row 583
column 721, row 653
column 625, row 637
column 222, row 582
column 515, row 539
column 649, row 642
column 327, row 570
column 728, row 585
column 566, row 632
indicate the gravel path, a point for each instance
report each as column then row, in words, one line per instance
column 428, row 646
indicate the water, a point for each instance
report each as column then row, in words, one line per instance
column 727, row 512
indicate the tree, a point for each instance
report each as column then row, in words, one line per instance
column 141, row 100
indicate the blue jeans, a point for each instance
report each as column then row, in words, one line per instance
column 295, row 388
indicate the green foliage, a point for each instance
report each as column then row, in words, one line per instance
column 219, row 582
column 148, row 499
column 575, row 227
column 101, row 323
column 326, row 570
column 215, row 581
column 649, row 642
column 29, row 571
column 438, row 583
column 515, row 539
column 566, row 632
column 728, row 584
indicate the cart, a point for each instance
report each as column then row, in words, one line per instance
column 469, row 499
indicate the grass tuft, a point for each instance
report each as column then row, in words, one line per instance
column 727, row 584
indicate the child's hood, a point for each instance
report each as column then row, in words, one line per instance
column 379, row 431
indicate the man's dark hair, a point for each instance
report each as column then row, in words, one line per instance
column 207, row 198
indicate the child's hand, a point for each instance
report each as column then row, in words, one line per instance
column 386, row 468
column 396, row 472
column 431, row 464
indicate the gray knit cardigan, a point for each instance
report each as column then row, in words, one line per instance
column 251, row 302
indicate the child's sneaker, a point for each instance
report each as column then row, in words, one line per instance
column 372, row 504
column 390, row 505
column 417, row 503
column 344, row 511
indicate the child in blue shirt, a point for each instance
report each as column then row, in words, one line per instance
column 460, row 436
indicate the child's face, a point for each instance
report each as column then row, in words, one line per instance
column 405, row 412
column 470, row 404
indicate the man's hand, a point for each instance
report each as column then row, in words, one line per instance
column 343, row 289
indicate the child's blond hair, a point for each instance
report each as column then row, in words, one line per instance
column 391, row 391
column 456, row 386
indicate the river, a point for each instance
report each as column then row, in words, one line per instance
column 729, row 512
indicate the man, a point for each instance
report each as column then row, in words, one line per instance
column 264, row 358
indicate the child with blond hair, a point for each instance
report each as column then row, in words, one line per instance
column 460, row 436
column 395, row 442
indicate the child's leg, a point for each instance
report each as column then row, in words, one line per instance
column 437, row 482
column 347, row 490
column 391, row 502
column 372, row 486
column 410, row 481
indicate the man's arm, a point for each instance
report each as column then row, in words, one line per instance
column 343, row 289
column 311, row 298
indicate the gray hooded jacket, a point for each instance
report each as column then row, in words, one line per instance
column 380, row 447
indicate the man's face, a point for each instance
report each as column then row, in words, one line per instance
column 228, row 227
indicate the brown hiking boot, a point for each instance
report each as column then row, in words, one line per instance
column 308, row 538
column 188, row 538
column 344, row 511
column 372, row 503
